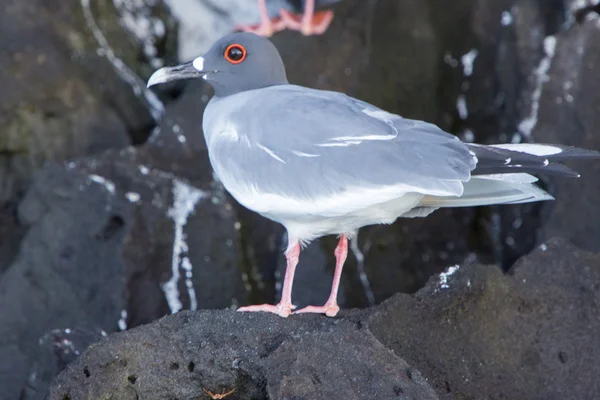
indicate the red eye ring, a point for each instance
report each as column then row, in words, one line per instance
column 235, row 53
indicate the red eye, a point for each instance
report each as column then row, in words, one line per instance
column 235, row 53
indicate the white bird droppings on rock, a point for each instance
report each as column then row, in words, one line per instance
column 123, row 320
column 446, row 274
column 104, row 182
column 461, row 107
column 507, row 18
column 185, row 198
column 132, row 197
column 136, row 17
column 468, row 136
column 541, row 76
column 137, row 85
column 468, row 61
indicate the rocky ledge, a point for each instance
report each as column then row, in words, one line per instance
column 470, row 333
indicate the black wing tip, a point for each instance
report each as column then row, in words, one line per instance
column 561, row 170
column 498, row 160
column 573, row 153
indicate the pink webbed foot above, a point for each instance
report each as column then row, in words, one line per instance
column 311, row 22
column 329, row 309
column 267, row 26
column 281, row 309
column 317, row 24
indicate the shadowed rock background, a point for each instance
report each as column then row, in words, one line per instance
column 110, row 217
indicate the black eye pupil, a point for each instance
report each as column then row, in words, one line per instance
column 235, row 53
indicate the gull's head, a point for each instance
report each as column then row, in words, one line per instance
column 235, row 63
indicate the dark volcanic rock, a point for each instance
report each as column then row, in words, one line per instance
column 260, row 356
column 65, row 92
column 474, row 334
column 570, row 114
column 115, row 242
column 532, row 334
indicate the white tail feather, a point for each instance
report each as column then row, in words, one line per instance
column 518, row 177
column 484, row 190
column 535, row 149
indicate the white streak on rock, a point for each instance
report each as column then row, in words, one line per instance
column 446, row 274
column 185, row 198
column 360, row 266
column 136, row 17
column 461, row 107
column 468, row 136
column 507, row 18
column 132, row 197
column 123, row 320
column 468, row 60
column 186, row 264
column 578, row 5
column 541, row 74
column 104, row 182
column 138, row 86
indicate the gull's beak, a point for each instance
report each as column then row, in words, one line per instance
column 188, row 70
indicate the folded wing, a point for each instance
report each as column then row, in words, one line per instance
column 316, row 145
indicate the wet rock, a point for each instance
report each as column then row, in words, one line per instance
column 472, row 332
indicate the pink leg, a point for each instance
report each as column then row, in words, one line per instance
column 310, row 23
column 285, row 306
column 331, row 308
column 267, row 26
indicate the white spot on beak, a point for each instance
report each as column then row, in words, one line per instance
column 159, row 76
column 198, row 63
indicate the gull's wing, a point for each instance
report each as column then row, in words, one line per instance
column 327, row 151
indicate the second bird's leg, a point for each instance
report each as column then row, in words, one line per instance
column 267, row 26
column 331, row 307
column 311, row 22
column 285, row 306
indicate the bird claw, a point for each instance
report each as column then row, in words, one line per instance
column 281, row 309
column 317, row 25
column 329, row 309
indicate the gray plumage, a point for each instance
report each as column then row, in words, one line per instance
column 335, row 140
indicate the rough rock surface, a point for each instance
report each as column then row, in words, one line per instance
column 104, row 241
column 65, row 93
column 474, row 334
column 570, row 114
column 530, row 334
column 80, row 259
